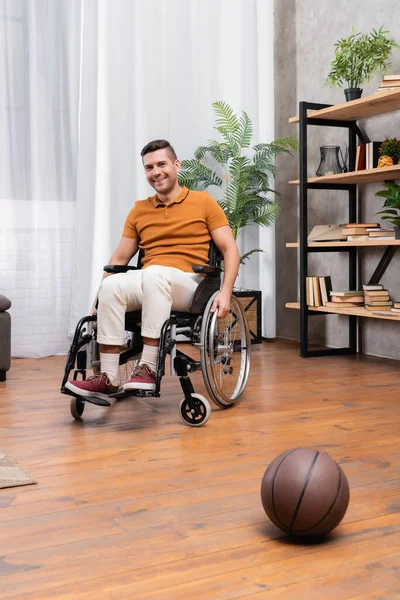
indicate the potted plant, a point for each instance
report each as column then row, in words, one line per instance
column 391, row 206
column 389, row 152
column 244, row 180
column 358, row 58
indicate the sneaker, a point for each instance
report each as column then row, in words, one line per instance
column 143, row 378
column 97, row 386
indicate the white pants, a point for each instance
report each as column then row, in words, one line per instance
column 156, row 290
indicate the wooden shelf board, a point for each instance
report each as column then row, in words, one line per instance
column 354, row 177
column 358, row 312
column 338, row 244
column 370, row 106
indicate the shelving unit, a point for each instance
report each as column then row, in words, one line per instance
column 341, row 115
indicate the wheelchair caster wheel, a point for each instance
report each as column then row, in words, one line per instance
column 77, row 406
column 195, row 412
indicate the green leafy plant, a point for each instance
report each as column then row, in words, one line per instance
column 391, row 206
column 244, row 180
column 359, row 57
column 390, row 147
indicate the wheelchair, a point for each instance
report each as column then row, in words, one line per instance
column 224, row 346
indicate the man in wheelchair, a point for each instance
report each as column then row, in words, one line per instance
column 174, row 230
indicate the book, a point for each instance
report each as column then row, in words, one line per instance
column 381, row 233
column 355, row 299
column 388, row 89
column 372, row 154
column 341, row 304
column 377, row 308
column 310, row 292
column 361, row 225
column 325, row 284
column 396, row 304
column 369, row 286
column 317, row 291
column 379, row 303
column 358, row 238
column 386, row 237
column 369, row 299
column 354, row 231
column 381, row 292
column 360, row 157
column 348, row 293
column 391, row 77
column 385, row 83
column 395, row 310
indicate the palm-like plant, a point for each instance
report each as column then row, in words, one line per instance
column 244, row 180
column 391, row 207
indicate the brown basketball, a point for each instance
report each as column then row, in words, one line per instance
column 305, row 492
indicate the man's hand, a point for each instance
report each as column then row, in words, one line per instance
column 221, row 303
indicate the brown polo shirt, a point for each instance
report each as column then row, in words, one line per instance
column 176, row 235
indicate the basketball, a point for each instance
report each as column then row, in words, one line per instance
column 305, row 492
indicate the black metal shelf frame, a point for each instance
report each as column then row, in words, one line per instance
column 353, row 132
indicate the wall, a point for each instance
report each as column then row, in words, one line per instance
column 305, row 33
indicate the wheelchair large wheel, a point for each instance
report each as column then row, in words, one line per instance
column 225, row 353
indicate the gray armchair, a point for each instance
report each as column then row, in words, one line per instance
column 5, row 337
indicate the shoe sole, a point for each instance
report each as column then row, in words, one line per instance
column 139, row 386
column 84, row 393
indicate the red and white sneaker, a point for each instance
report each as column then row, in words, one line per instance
column 96, row 386
column 143, row 378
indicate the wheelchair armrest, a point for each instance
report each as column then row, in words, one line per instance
column 119, row 268
column 207, row 270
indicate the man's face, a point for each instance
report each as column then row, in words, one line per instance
column 161, row 171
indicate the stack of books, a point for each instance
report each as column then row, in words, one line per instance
column 367, row 156
column 345, row 299
column 362, row 232
column 389, row 82
column 395, row 308
column 377, row 298
column 317, row 290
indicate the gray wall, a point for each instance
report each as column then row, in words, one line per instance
column 305, row 33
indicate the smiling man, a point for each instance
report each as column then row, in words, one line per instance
column 174, row 229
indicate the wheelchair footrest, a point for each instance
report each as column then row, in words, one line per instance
column 138, row 393
column 91, row 399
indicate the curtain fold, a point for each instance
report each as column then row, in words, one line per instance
column 39, row 102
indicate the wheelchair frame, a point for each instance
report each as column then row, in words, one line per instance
column 200, row 329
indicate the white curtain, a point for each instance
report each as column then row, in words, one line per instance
column 39, row 101
column 151, row 70
column 85, row 85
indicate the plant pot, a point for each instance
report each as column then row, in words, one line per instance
column 397, row 232
column 352, row 93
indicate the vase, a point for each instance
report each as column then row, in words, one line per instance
column 387, row 161
column 330, row 161
column 397, row 232
column 352, row 94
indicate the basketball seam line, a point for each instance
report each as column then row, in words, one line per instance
column 331, row 507
column 284, row 527
column 303, row 491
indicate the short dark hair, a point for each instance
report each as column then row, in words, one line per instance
column 159, row 145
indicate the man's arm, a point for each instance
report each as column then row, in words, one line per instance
column 223, row 239
column 125, row 250
column 123, row 253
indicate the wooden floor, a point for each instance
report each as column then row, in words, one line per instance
column 131, row 503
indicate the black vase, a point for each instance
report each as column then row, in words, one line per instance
column 352, row 93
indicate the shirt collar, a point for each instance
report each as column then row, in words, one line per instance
column 183, row 194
